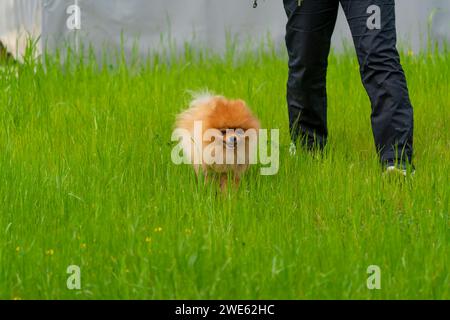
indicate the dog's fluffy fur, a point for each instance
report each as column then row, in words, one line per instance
column 218, row 113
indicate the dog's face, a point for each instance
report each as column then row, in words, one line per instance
column 232, row 118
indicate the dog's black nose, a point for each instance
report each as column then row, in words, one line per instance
column 232, row 139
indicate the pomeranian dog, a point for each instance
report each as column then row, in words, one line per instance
column 220, row 137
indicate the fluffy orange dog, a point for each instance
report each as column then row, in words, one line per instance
column 228, row 121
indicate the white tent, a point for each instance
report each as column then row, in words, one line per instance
column 205, row 22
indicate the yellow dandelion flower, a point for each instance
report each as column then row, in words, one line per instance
column 148, row 239
column 17, row 249
column 49, row 252
column 158, row 229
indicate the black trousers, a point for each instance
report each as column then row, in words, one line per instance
column 308, row 36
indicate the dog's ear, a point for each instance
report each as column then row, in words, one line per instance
column 241, row 103
column 217, row 103
column 252, row 121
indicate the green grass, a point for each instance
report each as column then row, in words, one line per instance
column 86, row 179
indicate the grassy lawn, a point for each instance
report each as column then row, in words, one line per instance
column 86, row 179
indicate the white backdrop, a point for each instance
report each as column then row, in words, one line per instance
column 204, row 22
column 19, row 20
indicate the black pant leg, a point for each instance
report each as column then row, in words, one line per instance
column 383, row 77
column 308, row 37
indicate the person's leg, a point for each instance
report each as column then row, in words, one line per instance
column 308, row 36
column 372, row 23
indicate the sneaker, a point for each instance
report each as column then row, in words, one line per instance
column 399, row 170
column 292, row 149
